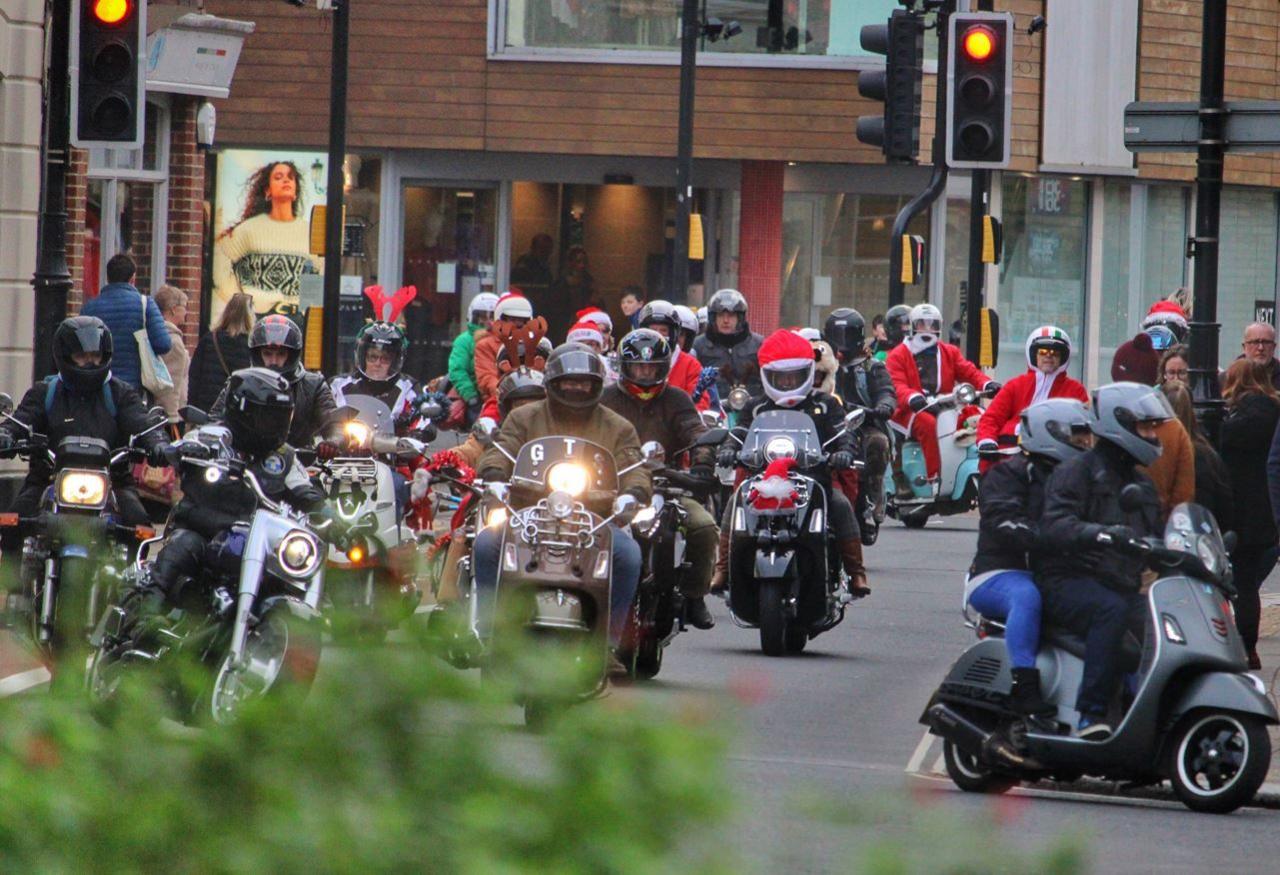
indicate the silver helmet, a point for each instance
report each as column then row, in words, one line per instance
column 1118, row 409
column 1047, row 428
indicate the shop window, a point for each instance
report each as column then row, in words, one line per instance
column 785, row 28
column 835, row 253
column 1042, row 275
column 1143, row 238
column 1246, row 266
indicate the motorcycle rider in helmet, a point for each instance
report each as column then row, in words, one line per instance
column 897, row 325
column 787, row 371
column 924, row 366
column 863, row 381
column 661, row 412
column 462, row 355
column 276, row 343
column 601, row 320
column 258, row 419
column 689, row 328
column 379, row 356
column 574, row 378
column 513, row 310
column 999, row 584
column 1089, row 578
column 81, row 400
column 661, row 316
column 729, row 343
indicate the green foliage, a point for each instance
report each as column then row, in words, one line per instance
column 391, row 765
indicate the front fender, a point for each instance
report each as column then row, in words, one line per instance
column 773, row 565
column 1224, row 691
column 301, row 610
column 967, row 470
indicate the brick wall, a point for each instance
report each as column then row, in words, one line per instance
column 77, row 203
column 760, row 246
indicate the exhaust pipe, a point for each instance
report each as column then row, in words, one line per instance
column 966, row 734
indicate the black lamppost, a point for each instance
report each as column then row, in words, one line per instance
column 335, row 195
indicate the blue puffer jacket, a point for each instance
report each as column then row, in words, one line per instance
column 119, row 305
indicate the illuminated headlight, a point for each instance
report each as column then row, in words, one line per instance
column 738, row 398
column 357, row 433
column 560, row 505
column 298, row 553
column 212, row 475
column 83, row 488
column 781, row 447
column 496, row 519
column 567, row 477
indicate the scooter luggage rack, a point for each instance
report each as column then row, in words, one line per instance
column 541, row 528
column 354, row 469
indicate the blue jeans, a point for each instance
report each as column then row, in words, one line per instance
column 1101, row 616
column 1012, row 596
column 626, row 578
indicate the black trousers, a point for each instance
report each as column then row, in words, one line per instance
column 1251, row 563
column 1100, row 616
column 181, row 557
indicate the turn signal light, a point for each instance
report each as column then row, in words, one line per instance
column 142, row 533
column 8, row 519
column 356, row 553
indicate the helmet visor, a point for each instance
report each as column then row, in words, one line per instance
column 927, row 326
column 787, row 379
column 650, row 373
column 379, row 361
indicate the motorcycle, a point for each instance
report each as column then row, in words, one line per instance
column 252, row 621
column 1197, row 718
column 784, row 575
column 956, row 490
column 75, row 557
column 555, row 569
column 372, row 583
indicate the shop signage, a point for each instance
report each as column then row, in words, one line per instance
column 1264, row 311
column 195, row 54
column 1049, row 197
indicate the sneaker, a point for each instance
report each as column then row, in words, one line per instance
column 1091, row 729
column 695, row 611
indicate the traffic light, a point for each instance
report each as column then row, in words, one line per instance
column 979, row 89
column 901, row 41
column 108, row 85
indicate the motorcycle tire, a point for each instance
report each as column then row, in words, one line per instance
column 916, row 519
column 796, row 639
column 1217, row 760
column 282, row 653
column 773, row 619
column 69, row 646
column 648, row 660
column 970, row 775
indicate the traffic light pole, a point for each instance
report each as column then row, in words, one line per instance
column 975, row 288
column 690, row 29
column 1203, row 366
column 52, row 279
column 335, row 193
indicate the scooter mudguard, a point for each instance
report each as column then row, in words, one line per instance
column 914, row 470
column 74, row 550
column 968, row 468
column 1225, row 691
column 773, row 566
column 980, row 677
column 297, row 608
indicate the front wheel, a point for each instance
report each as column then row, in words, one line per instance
column 281, row 655
column 916, row 519
column 69, row 645
column 970, row 775
column 1218, row 760
column 773, row 618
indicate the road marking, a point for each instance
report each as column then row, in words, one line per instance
column 23, row 681
column 922, row 750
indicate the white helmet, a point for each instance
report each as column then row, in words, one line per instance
column 513, row 306
column 482, row 303
column 688, row 320
column 702, row 318
column 809, row 334
column 926, row 327
column 786, row 367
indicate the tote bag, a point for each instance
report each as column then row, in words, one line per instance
column 155, row 373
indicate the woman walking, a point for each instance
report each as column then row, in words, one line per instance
column 220, row 352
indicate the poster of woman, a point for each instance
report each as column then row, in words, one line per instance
column 262, row 241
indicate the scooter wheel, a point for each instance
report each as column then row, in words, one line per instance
column 970, row 775
column 915, row 519
column 1218, row 760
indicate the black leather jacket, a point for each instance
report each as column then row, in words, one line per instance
column 868, row 384
column 1011, row 502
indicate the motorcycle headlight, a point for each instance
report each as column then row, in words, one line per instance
column 298, row 553
column 780, row 447
column 82, row 488
column 496, row 519
column 357, row 433
column 568, row 477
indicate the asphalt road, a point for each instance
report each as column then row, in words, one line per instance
column 824, row 740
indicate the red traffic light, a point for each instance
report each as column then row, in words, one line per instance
column 979, row 43
column 111, row 11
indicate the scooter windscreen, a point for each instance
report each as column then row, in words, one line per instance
column 372, row 412
column 1193, row 531
column 578, row 467
column 779, row 434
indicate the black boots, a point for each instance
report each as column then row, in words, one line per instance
column 1025, row 698
column 697, row 614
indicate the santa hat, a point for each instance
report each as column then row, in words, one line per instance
column 585, row 332
column 774, row 490
column 596, row 315
column 1136, row 361
column 1164, row 313
column 785, row 349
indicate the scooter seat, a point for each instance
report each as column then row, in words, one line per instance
column 1130, row 646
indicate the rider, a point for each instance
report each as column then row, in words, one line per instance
column 729, row 343
column 863, row 381
column 660, row 412
column 379, row 356
column 897, row 324
column 924, row 366
column 1048, row 352
column 574, row 378
column 514, row 310
column 259, row 414
column 999, row 585
column 661, row 316
column 688, row 330
column 601, row 319
column 1089, row 582
column 276, row 343
column 787, row 370
column 462, row 356
column 81, row 400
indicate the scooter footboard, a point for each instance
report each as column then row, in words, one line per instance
column 1225, row 691
column 774, row 566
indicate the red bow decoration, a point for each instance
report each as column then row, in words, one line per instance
column 388, row 308
column 450, row 459
column 774, row 491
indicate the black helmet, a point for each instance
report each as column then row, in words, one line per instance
column 574, row 360
column 277, row 330
column 259, row 410
column 659, row 313
column 647, row 349
column 520, row 384
column 897, row 323
column 384, row 336
column 544, row 349
column 82, row 334
column 1119, row 407
column 846, row 331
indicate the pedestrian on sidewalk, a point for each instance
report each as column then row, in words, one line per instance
column 121, row 306
column 172, row 302
column 1213, row 480
column 1253, row 459
column 221, row 352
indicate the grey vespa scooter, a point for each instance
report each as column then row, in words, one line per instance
column 1198, row 718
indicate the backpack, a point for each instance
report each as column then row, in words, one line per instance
column 52, row 390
